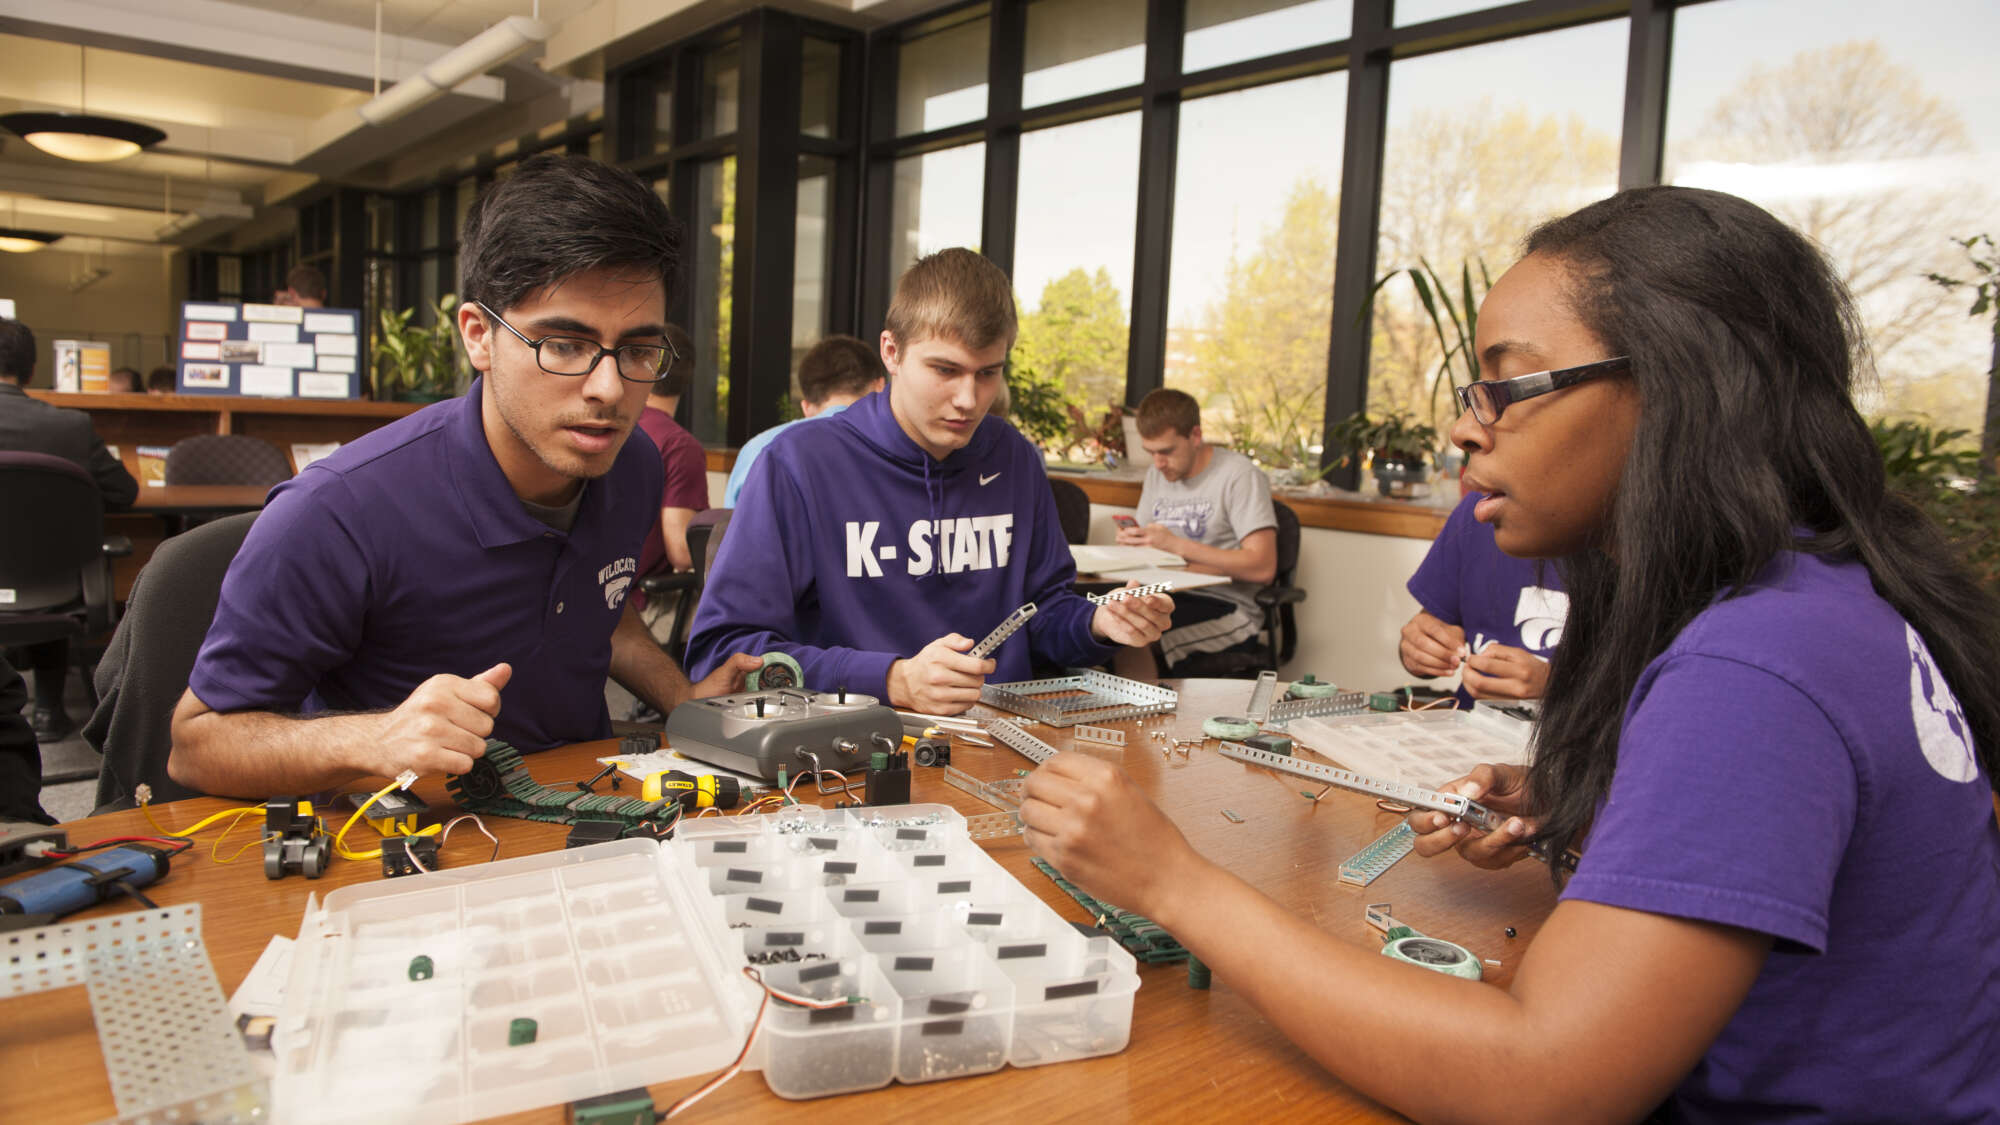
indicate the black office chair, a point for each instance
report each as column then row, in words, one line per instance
column 704, row 538
column 226, row 459
column 55, row 560
column 1073, row 507
column 146, row 667
column 1279, row 638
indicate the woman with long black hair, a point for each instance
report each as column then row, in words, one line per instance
column 1772, row 732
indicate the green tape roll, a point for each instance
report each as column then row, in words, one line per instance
column 779, row 671
column 1228, row 726
column 1311, row 688
column 1438, row 956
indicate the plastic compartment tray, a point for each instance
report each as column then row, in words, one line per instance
column 1426, row 748
column 964, row 969
column 627, row 956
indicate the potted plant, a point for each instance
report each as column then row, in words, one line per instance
column 414, row 362
column 1398, row 448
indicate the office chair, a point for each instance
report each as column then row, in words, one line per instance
column 55, row 560
column 704, row 538
column 1073, row 507
column 146, row 667
column 1280, row 638
column 226, row 459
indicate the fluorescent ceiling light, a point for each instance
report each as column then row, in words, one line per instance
column 476, row 56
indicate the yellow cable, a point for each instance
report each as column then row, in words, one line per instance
column 239, row 813
column 339, row 845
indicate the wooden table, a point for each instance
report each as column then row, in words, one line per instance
column 201, row 499
column 1193, row 1055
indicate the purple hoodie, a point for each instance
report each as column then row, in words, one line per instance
column 852, row 548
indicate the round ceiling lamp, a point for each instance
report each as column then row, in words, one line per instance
column 82, row 136
column 24, row 241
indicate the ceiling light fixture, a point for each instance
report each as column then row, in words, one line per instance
column 475, row 56
column 82, row 135
column 13, row 240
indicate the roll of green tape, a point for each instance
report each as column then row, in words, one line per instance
column 1438, row 956
column 1310, row 688
column 1228, row 726
column 779, row 671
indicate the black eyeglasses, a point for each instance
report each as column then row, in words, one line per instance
column 573, row 355
column 1490, row 398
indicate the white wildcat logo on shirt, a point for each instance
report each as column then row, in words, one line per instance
column 1942, row 732
column 616, row 578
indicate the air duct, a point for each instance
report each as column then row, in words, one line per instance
column 476, row 56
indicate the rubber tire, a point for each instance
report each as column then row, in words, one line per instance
column 313, row 862
column 482, row 782
column 274, row 859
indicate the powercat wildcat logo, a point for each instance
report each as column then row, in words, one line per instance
column 947, row 546
column 615, row 579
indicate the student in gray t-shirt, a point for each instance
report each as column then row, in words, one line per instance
column 1212, row 507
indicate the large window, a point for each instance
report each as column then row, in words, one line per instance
column 1250, row 303
column 812, row 254
column 1483, row 143
column 712, row 233
column 1876, row 131
column 1078, row 47
column 936, row 205
column 941, row 75
column 1073, row 235
column 1227, row 31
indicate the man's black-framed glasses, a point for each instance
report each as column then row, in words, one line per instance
column 574, row 355
column 1489, row 399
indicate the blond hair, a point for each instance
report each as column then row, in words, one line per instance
column 954, row 294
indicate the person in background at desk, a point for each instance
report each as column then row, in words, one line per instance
column 29, row 425
column 463, row 572
column 305, row 287
column 862, row 545
column 1775, row 718
column 1212, row 507
column 833, row 376
column 683, row 463
column 122, row 381
column 160, row 381
column 1512, row 609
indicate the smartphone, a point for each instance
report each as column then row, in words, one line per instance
column 1125, row 523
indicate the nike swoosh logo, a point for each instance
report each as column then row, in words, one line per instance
column 984, row 481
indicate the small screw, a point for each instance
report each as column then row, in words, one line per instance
column 1510, row 931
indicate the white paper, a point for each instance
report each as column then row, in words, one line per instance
column 275, row 333
column 306, row 452
column 268, row 382
column 330, row 322
column 192, row 350
column 321, row 384
column 275, row 314
column 288, row 355
column 1105, row 558
column 343, row 363
column 202, row 330
column 335, row 345
column 208, row 312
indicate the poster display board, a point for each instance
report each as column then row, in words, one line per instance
column 271, row 351
column 82, row 365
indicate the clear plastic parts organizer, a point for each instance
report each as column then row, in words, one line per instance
column 627, row 957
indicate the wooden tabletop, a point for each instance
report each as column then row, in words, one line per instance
column 1194, row 1055
column 173, row 499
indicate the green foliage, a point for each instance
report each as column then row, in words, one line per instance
column 1259, row 361
column 1930, row 467
column 1038, row 406
column 1986, row 286
column 1396, row 436
column 1460, row 357
column 413, row 359
column 1071, row 352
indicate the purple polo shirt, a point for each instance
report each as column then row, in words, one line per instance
column 1468, row 581
column 1794, row 764
column 407, row 554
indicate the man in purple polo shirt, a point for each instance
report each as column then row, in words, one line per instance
column 463, row 572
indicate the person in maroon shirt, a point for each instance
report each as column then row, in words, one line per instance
column 684, row 461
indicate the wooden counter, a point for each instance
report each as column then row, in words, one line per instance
column 130, row 421
column 1193, row 1056
column 1348, row 511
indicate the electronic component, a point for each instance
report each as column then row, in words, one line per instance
column 626, row 1107
column 393, row 814
column 521, row 1032
column 1310, row 687
column 409, row 855
column 1084, row 697
column 1002, row 631
column 1403, row 943
column 422, row 968
column 888, row 778
column 87, row 881
column 756, row 733
column 499, row 784
column 1275, row 743
column 583, row 833
column 780, row 670
column 24, row 845
column 295, row 839
column 1261, row 695
column 1141, row 936
column 1232, row 727
column 1198, row 974
column 929, row 751
column 1368, row 864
